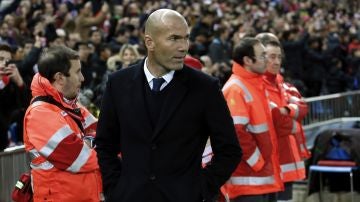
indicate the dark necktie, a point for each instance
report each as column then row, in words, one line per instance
column 157, row 82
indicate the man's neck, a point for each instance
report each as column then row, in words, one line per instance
column 156, row 72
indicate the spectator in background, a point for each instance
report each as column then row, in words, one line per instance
column 96, row 37
column 127, row 55
column 121, row 37
column 337, row 80
column 98, row 62
column 63, row 15
column 293, row 44
column 316, row 57
column 202, row 32
column 353, row 61
column 220, row 53
column 220, row 48
column 73, row 38
column 14, row 97
column 86, row 19
column 26, row 61
column 87, row 68
column 5, row 35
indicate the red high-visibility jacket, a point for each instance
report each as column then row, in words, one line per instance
column 259, row 170
column 287, row 127
column 64, row 168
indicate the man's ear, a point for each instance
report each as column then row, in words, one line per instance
column 149, row 43
column 247, row 60
column 59, row 78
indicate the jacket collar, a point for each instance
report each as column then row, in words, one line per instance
column 243, row 73
column 41, row 86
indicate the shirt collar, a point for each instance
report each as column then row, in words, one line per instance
column 149, row 77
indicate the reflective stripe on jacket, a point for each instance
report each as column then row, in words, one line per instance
column 259, row 170
column 64, row 168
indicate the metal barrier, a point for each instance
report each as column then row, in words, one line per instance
column 13, row 162
column 328, row 107
column 341, row 110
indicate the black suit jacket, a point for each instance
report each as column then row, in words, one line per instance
column 164, row 163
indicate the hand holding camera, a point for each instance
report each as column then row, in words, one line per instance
column 6, row 70
column 12, row 72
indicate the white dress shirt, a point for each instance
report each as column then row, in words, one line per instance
column 149, row 77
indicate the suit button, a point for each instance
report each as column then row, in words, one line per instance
column 152, row 177
column 154, row 147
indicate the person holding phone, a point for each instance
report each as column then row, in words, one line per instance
column 14, row 94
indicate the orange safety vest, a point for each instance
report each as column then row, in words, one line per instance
column 291, row 164
column 259, row 170
column 64, row 168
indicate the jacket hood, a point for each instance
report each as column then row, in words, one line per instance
column 41, row 86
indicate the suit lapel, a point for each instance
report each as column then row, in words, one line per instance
column 172, row 100
column 138, row 98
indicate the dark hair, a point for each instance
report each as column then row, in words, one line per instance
column 122, row 31
column 56, row 59
column 245, row 47
column 5, row 47
column 93, row 30
column 81, row 43
column 219, row 31
column 102, row 47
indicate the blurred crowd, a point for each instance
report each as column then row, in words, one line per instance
column 320, row 40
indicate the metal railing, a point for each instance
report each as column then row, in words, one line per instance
column 328, row 107
column 13, row 162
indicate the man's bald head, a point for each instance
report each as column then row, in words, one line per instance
column 160, row 18
column 267, row 37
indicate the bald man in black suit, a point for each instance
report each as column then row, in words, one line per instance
column 159, row 115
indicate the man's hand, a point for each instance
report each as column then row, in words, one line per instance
column 105, row 8
column 13, row 73
column 284, row 111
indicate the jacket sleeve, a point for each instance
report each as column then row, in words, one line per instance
column 58, row 142
column 108, row 141
column 297, row 106
column 225, row 146
column 93, row 21
column 283, row 124
column 241, row 117
column 298, row 110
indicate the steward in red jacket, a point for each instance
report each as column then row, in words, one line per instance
column 58, row 136
column 288, row 110
column 258, row 174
